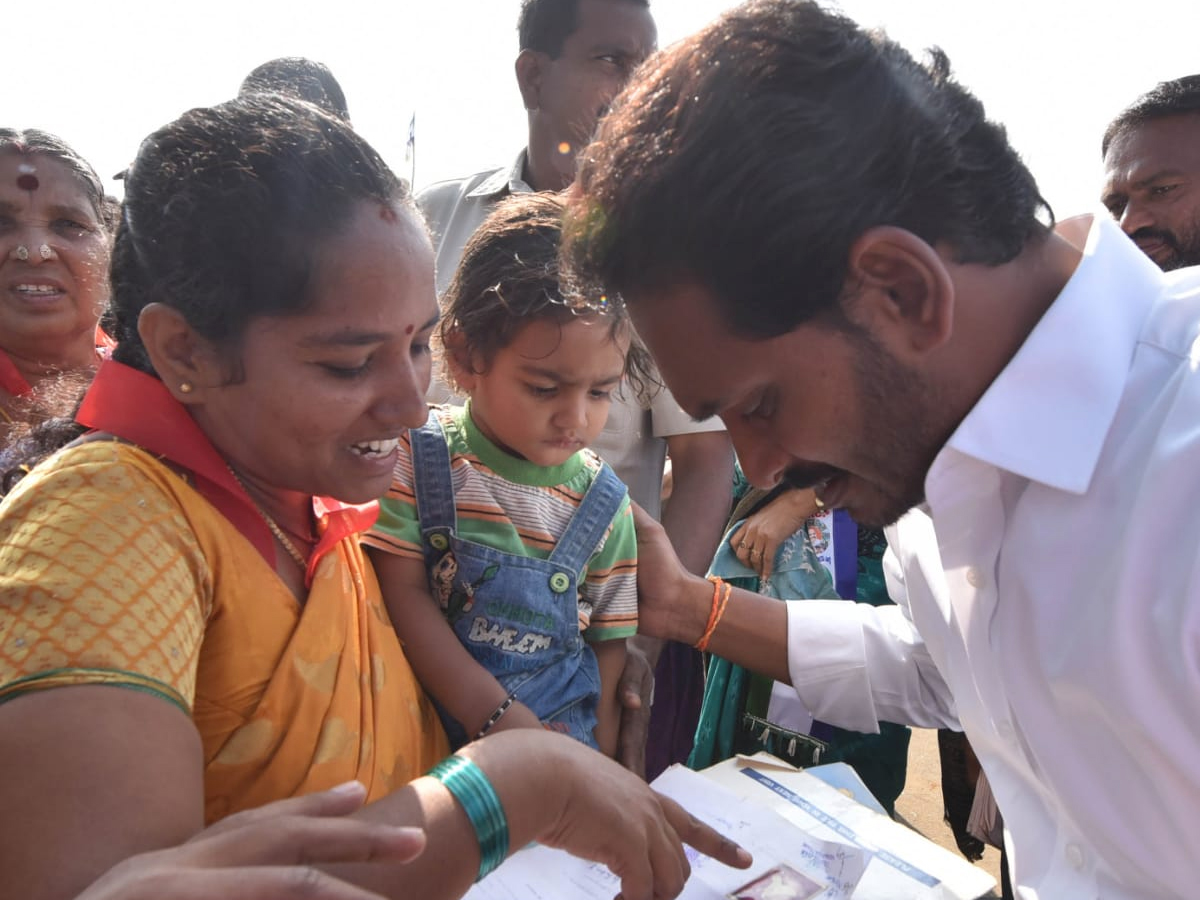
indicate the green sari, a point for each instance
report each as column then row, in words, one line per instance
column 733, row 718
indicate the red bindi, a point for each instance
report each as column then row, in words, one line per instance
column 27, row 182
column 408, row 330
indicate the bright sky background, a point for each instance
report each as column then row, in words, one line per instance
column 103, row 74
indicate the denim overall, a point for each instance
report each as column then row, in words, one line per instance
column 517, row 615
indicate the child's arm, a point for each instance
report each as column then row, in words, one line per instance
column 443, row 665
column 611, row 588
column 610, row 656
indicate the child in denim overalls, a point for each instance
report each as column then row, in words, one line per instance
column 505, row 549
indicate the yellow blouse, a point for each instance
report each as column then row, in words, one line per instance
column 114, row 570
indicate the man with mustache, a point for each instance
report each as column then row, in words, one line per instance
column 877, row 305
column 1152, row 172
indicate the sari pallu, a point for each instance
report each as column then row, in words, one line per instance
column 334, row 698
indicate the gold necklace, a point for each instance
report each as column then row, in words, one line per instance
column 291, row 549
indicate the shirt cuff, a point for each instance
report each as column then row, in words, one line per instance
column 827, row 662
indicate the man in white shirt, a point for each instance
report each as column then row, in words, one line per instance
column 876, row 307
column 1152, row 172
column 575, row 55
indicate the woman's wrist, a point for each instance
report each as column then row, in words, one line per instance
column 526, row 767
column 473, row 791
column 801, row 506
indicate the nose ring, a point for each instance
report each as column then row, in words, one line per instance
column 22, row 252
column 44, row 251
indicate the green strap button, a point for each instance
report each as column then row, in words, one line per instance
column 559, row 582
column 438, row 541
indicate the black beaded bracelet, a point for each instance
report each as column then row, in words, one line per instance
column 500, row 711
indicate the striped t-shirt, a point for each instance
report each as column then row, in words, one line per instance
column 517, row 507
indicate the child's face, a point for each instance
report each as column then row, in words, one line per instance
column 546, row 395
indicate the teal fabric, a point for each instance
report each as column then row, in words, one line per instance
column 735, row 700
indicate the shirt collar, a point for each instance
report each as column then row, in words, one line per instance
column 138, row 408
column 511, row 468
column 1075, row 360
column 511, row 180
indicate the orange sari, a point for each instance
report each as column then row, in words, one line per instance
column 116, row 569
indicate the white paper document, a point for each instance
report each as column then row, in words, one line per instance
column 798, row 828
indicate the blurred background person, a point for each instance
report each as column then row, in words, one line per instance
column 299, row 77
column 55, row 237
column 1151, row 156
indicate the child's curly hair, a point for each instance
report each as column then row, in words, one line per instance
column 509, row 276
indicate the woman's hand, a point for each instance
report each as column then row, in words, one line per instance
column 601, row 811
column 756, row 541
column 269, row 853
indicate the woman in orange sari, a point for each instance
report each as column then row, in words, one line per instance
column 188, row 628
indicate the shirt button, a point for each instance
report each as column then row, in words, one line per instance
column 974, row 577
column 1075, row 858
column 1005, row 730
column 559, row 582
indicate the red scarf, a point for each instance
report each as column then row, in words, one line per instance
column 138, row 408
column 14, row 382
column 11, row 378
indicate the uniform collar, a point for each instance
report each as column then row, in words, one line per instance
column 505, row 181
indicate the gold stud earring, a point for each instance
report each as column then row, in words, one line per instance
column 185, row 387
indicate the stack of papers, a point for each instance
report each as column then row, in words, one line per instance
column 810, row 840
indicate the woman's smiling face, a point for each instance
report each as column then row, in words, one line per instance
column 54, row 255
column 314, row 402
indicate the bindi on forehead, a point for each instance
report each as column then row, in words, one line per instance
column 409, row 329
column 27, row 179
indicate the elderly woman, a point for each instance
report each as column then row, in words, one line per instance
column 54, row 248
column 188, row 627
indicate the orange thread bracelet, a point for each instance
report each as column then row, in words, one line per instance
column 721, row 592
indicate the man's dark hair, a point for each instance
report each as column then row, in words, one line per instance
column 545, row 24
column 749, row 157
column 1165, row 100
column 304, row 79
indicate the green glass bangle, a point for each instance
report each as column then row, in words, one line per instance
column 470, row 787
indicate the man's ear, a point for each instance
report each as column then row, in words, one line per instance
column 530, row 68
column 902, row 285
column 457, row 359
column 186, row 362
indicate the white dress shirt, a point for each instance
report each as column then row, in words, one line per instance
column 1049, row 591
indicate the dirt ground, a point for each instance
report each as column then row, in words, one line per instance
column 920, row 806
